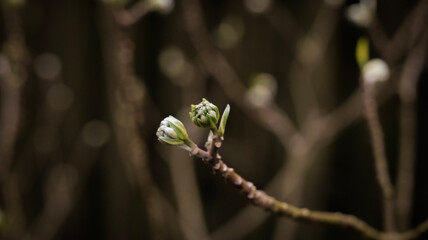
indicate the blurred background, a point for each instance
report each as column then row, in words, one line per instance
column 84, row 85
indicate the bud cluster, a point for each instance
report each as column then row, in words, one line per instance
column 205, row 115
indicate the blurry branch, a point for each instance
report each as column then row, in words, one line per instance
column 278, row 123
column 284, row 24
column 58, row 203
column 126, row 101
column 216, row 64
column 63, row 188
column 378, row 36
column 185, row 188
column 343, row 116
column 133, row 14
column 409, row 33
column 14, row 216
column 314, row 130
column 235, row 229
column 319, row 34
column 405, row 36
column 12, row 77
column 187, row 195
column 319, row 133
column 183, row 177
column 268, row 203
column 311, row 49
column 352, row 109
column 378, row 145
column 407, row 92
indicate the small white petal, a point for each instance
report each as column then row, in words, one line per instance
column 212, row 114
column 163, row 128
column 170, row 133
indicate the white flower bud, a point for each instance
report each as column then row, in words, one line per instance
column 171, row 131
column 375, row 70
column 361, row 14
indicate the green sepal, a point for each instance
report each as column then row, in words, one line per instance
column 171, row 141
column 179, row 129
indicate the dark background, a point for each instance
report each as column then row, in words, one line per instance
column 123, row 184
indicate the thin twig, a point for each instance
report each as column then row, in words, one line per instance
column 407, row 91
column 270, row 204
column 378, row 145
column 128, row 17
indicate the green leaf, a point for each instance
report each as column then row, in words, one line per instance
column 223, row 120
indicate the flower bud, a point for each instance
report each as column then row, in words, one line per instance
column 375, row 70
column 171, row 131
column 205, row 115
column 362, row 13
column 359, row 14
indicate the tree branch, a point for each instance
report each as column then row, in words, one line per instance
column 128, row 17
column 407, row 92
column 262, row 200
column 127, row 99
column 378, row 144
